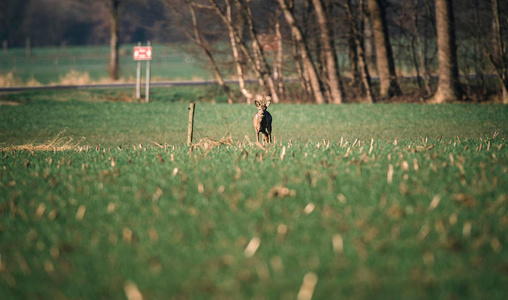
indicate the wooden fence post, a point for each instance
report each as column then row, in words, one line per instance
column 191, row 124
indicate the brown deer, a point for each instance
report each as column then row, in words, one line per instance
column 263, row 120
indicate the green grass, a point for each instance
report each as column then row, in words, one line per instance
column 89, row 222
column 47, row 65
column 44, row 114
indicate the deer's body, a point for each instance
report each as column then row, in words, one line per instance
column 263, row 122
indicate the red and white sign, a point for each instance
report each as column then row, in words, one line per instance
column 142, row 53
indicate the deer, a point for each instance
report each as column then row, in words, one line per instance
column 263, row 120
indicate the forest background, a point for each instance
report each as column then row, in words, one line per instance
column 338, row 51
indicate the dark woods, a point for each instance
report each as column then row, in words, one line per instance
column 334, row 51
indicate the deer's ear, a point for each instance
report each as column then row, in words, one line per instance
column 257, row 103
column 268, row 103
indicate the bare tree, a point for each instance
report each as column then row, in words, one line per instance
column 203, row 45
column 448, row 86
column 300, row 69
column 497, row 53
column 385, row 63
column 278, row 74
column 354, row 68
column 114, row 10
column 261, row 62
column 297, row 58
column 304, row 52
column 328, row 49
column 418, row 50
column 360, row 50
column 236, row 52
column 256, row 59
column 114, row 42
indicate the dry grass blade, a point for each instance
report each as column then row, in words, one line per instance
column 389, row 176
column 58, row 143
column 309, row 208
column 252, row 247
column 210, row 143
column 308, row 285
column 466, row 229
column 132, row 292
column 338, row 243
column 435, row 201
column 81, row 212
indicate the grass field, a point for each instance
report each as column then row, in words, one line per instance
column 50, row 64
column 87, row 64
column 353, row 201
column 100, row 117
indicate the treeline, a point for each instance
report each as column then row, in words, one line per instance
column 83, row 22
column 334, row 47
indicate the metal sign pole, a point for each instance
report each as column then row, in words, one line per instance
column 138, row 78
column 147, row 90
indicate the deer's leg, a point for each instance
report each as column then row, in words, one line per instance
column 269, row 129
column 257, row 136
column 263, row 135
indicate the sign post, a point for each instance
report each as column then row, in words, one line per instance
column 143, row 53
column 138, row 77
column 147, row 89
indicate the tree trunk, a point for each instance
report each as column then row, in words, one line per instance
column 353, row 57
column 332, row 70
column 236, row 56
column 239, row 40
column 448, row 85
column 259, row 55
column 279, row 59
column 420, row 59
column 258, row 63
column 206, row 50
column 362, row 62
column 366, row 31
column 304, row 52
column 304, row 82
column 114, row 42
column 497, row 54
column 384, row 55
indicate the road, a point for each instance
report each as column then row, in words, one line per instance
column 166, row 84
column 115, row 85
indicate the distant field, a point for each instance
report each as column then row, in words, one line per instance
column 383, row 201
column 48, row 65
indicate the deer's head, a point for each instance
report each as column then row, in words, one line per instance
column 262, row 106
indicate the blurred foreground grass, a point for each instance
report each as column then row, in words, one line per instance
column 413, row 220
